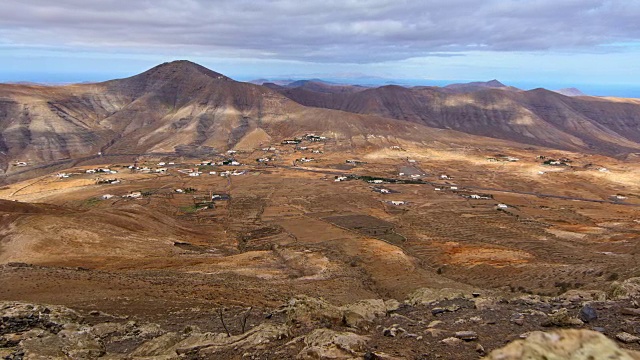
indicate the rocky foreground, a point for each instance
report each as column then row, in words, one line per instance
column 430, row 324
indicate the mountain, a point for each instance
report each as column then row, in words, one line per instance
column 169, row 106
column 537, row 117
column 570, row 92
column 473, row 86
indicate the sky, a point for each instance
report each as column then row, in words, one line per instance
column 590, row 44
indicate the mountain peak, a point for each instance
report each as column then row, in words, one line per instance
column 570, row 92
column 184, row 67
column 495, row 83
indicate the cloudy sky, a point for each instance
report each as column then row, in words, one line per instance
column 593, row 44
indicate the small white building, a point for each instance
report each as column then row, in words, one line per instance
column 133, row 195
column 411, row 161
column 92, row 171
column 444, row 176
column 454, row 188
column 502, row 206
column 340, row 178
column 161, row 163
column 107, row 196
column 212, row 173
column 397, row 203
column 474, row 196
column 195, row 173
column 384, row 191
column 376, row 181
column 437, row 189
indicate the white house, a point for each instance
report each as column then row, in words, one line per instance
column 502, row 206
column 384, row 191
column 133, row 195
column 161, row 163
column 444, row 177
column 376, row 181
column 340, row 178
column 107, row 196
column 394, row 202
column 92, row 171
column 195, row 173
column 454, row 188
column 474, row 196
column 437, row 189
column 411, row 161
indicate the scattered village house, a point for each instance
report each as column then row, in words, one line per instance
column 133, row 195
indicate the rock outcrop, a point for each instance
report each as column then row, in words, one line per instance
column 563, row 345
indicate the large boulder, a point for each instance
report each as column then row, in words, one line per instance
column 563, row 345
column 70, row 344
column 626, row 289
column 210, row 343
column 363, row 312
column 308, row 310
column 19, row 317
column 329, row 344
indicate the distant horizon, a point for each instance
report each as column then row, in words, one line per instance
column 59, row 79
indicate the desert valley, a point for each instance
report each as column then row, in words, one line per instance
column 181, row 214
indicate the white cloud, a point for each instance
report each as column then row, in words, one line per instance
column 325, row 31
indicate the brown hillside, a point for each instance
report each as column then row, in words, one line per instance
column 537, row 117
